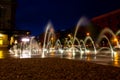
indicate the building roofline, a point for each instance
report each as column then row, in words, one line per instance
column 106, row 14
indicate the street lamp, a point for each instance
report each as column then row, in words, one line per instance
column 87, row 33
column 69, row 35
column 115, row 39
column 25, row 39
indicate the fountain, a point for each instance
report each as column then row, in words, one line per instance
column 26, row 49
column 89, row 38
column 110, row 46
column 74, row 47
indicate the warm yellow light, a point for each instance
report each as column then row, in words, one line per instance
column 88, row 59
column 1, row 55
column 116, row 57
column 51, row 38
column 115, row 40
column 69, row 35
column 87, row 33
column 15, row 42
column 1, row 42
column 1, row 35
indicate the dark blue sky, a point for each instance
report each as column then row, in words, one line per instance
column 34, row 15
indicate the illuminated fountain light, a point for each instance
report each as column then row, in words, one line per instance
column 26, row 49
column 110, row 46
column 109, row 31
column 52, row 50
column 49, row 26
column 116, row 58
column 87, row 51
column 61, row 50
column 90, row 38
column 14, row 51
column 72, row 48
column 25, row 54
column 25, row 39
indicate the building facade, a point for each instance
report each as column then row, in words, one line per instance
column 7, row 14
column 110, row 20
column 7, row 20
column 8, row 32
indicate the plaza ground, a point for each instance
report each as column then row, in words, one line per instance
column 55, row 69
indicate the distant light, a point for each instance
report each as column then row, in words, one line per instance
column 25, row 39
column 87, row 33
column 115, row 39
column 69, row 35
column 28, row 33
column 15, row 42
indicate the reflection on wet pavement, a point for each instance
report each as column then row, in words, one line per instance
column 104, row 60
column 4, row 53
column 1, row 55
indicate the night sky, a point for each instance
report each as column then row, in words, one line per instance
column 34, row 15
